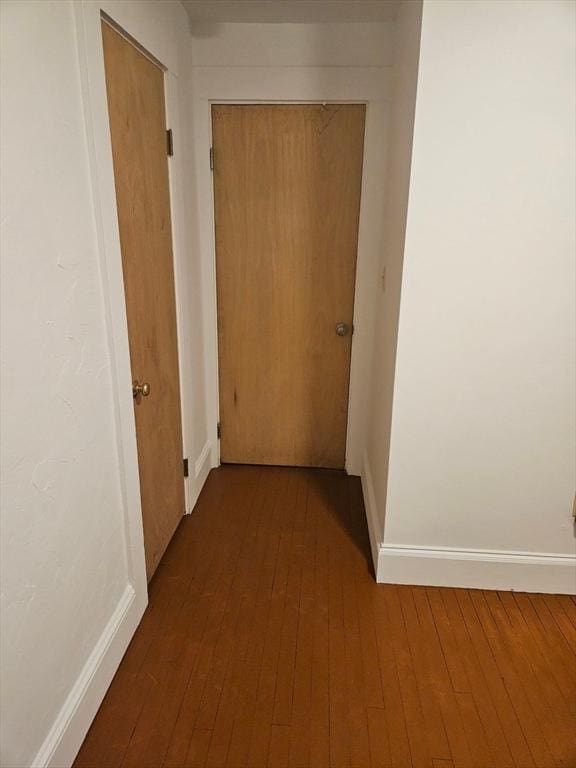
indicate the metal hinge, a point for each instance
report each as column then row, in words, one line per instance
column 218, row 431
column 185, row 462
column 211, row 158
column 169, row 142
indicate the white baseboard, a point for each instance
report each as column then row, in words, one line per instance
column 477, row 569
column 65, row 738
column 472, row 569
column 202, row 467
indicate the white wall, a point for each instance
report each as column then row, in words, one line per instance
column 381, row 381
column 73, row 578
column 482, row 446
column 359, row 44
column 298, row 63
column 63, row 562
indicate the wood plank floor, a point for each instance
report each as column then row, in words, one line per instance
column 268, row 643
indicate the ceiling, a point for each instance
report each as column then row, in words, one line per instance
column 290, row 11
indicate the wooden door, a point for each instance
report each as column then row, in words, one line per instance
column 135, row 87
column 287, row 184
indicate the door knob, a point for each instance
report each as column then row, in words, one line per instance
column 342, row 329
column 140, row 389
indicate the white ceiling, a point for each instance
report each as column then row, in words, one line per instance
column 291, row 11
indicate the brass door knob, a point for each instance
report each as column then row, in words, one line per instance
column 140, row 389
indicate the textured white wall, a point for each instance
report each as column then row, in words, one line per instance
column 63, row 561
column 482, row 449
column 65, row 571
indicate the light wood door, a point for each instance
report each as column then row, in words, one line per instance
column 135, row 87
column 287, row 182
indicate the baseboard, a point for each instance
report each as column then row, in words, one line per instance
column 371, row 508
column 472, row 569
column 202, row 468
column 477, row 569
column 71, row 725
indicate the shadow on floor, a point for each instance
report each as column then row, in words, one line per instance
column 340, row 495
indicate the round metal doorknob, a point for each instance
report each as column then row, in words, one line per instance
column 342, row 329
column 140, row 389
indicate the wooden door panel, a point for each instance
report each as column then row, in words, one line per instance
column 136, row 106
column 287, row 182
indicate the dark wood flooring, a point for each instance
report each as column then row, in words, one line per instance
column 268, row 643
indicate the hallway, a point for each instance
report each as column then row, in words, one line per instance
column 268, row 643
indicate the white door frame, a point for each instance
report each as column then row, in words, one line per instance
column 300, row 86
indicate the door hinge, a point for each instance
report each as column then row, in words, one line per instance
column 169, row 142
column 211, row 158
column 218, row 431
column 185, row 462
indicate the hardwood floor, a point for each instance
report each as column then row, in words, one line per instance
column 268, row 643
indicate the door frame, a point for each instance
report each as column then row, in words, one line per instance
column 351, row 411
column 360, row 86
column 161, row 49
